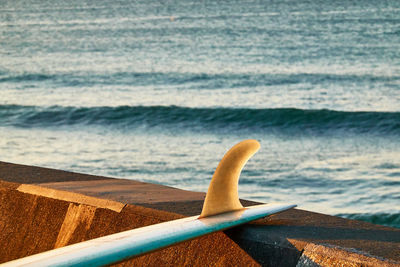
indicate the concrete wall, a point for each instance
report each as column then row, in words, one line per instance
column 32, row 223
column 41, row 209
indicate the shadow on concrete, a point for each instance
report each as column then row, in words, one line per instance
column 273, row 245
column 276, row 251
column 17, row 173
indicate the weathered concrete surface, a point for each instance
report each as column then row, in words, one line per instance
column 30, row 224
column 71, row 197
column 325, row 255
column 291, row 238
column 122, row 190
column 24, row 174
column 297, row 232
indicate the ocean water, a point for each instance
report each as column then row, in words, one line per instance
column 158, row 91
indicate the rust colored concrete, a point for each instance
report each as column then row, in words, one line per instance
column 77, row 215
column 31, row 223
column 18, row 173
column 336, row 256
column 290, row 232
column 70, row 196
column 127, row 191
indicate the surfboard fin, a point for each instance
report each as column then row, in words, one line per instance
column 222, row 195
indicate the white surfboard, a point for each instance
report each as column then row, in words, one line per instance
column 221, row 210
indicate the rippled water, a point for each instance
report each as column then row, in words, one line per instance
column 158, row 91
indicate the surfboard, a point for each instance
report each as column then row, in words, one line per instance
column 118, row 247
column 221, row 210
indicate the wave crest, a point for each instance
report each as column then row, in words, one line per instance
column 205, row 119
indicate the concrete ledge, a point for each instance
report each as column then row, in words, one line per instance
column 290, row 237
column 122, row 190
column 24, row 174
column 326, row 255
column 30, row 223
column 71, row 197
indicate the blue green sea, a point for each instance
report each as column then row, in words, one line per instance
column 158, row 91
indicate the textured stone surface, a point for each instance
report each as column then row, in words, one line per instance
column 288, row 235
column 326, row 255
column 18, row 173
column 127, row 191
column 70, row 196
column 31, row 223
column 28, row 224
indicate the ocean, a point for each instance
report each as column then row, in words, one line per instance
column 158, row 91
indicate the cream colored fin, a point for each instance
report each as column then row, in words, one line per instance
column 222, row 195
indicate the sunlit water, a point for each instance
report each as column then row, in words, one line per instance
column 158, row 91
